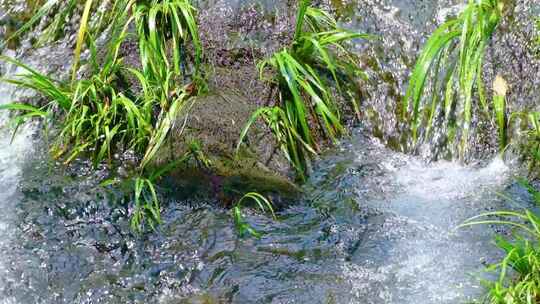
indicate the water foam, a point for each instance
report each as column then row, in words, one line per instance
column 413, row 252
column 13, row 153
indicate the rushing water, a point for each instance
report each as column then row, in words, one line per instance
column 373, row 226
column 13, row 155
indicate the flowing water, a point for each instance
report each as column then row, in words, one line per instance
column 12, row 157
column 373, row 225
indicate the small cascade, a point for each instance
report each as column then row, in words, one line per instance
column 414, row 252
column 402, row 28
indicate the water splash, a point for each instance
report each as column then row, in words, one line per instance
column 415, row 254
column 13, row 153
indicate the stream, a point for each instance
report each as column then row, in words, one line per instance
column 374, row 226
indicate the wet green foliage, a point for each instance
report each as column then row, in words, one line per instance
column 452, row 59
column 531, row 148
column 62, row 12
column 263, row 204
column 500, row 89
column 66, row 11
column 164, row 25
column 519, row 271
column 99, row 115
column 146, row 204
column 306, row 106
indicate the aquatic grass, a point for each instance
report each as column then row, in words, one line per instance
column 522, row 257
column 94, row 111
column 261, row 202
column 98, row 116
column 100, row 122
column 142, row 190
column 146, row 208
column 89, row 111
column 453, row 58
column 307, row 107
column 288, row 139
column 165, row 27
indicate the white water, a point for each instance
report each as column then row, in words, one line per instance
column 12, row 157
column 415, row 253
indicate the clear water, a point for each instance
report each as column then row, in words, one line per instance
column 13, row 155
column 374, row 226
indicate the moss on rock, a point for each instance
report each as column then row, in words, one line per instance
column 214, row 124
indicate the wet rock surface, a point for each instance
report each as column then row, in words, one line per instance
column 214, row 124
column 403, row 27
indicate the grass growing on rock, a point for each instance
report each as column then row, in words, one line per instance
column 162, row 26
column 97, row 116
column 306, row 107
column 453, row 59
column 102, row 14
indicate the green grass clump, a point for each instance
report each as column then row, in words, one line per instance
column 96, row 116
column 521, row 285
column 52, row 30
column 453, row 58
column 162, row 25
column 99, row 115
column 62, row 11
column 304, row 72
column 165, row 26
column 147, row 206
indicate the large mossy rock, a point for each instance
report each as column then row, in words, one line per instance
column 214, row 124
